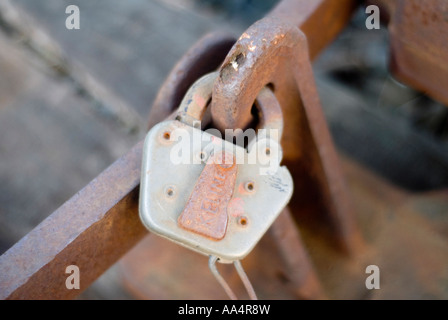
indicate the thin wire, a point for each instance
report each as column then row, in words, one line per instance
column 243, row 276
column 212, row 265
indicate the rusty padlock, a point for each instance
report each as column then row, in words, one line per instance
column 208, row 194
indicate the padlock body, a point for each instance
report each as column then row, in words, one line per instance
column 174, row 156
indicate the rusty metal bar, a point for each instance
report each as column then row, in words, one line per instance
column 274, row 52
column 304, row 279
column 320, row 20
column 100, row 223
column 92, row 231
column 419, row 45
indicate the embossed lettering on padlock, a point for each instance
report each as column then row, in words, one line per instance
column 215, row 209
column 206, row 210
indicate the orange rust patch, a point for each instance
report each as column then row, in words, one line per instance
column 206, row 210
column 199, row 100
column 236, row 207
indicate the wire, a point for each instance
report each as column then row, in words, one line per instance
column 212, row 265
column 243, row 276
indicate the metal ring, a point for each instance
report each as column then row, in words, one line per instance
column 197, row 98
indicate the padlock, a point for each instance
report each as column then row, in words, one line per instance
column 209, row 194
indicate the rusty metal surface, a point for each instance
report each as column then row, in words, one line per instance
column 320, row 20
column 206, row 210
column 290, row 274
column 246, row 70
column 170, row 271
column 419, row 45
column 276, row 53
column 303, row 279
column 270, row 115
column 406, row 235
column 100, row 223
column 92, row 231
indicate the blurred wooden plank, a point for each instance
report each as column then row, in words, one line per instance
column 383, row 141
column 52, row 142
column 123, row 49
column 92, row 231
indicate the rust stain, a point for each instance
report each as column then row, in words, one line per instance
column 199, row 100
column 236, row 207
column 206, row 210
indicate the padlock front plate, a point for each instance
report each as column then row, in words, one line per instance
column 206, row 210
column 166, row 187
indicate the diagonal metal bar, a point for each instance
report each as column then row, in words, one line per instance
column 100, row 223
column 92, row 231
column 303, row 277
column 320, row 20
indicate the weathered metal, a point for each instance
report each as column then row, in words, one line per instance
column 272, row 52
column 406, row 236
column 205, row 205
column 92, row 230
column 299, row 269
column 419, row 45
column 206, row 210
column 100, row 223
column 275, row 38
column 320, row 20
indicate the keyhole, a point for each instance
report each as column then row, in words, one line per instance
column 249, row 186
column 243, row 221
column 169, row 191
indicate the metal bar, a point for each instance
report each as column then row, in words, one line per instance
column 274, row 52
column 299, row 267
column 320, row 20
column 92, row 231
column 419, row 46
column 99, row 224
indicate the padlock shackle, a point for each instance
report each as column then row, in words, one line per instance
column 198, row 97
column 194, row 104
column 270, row 111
